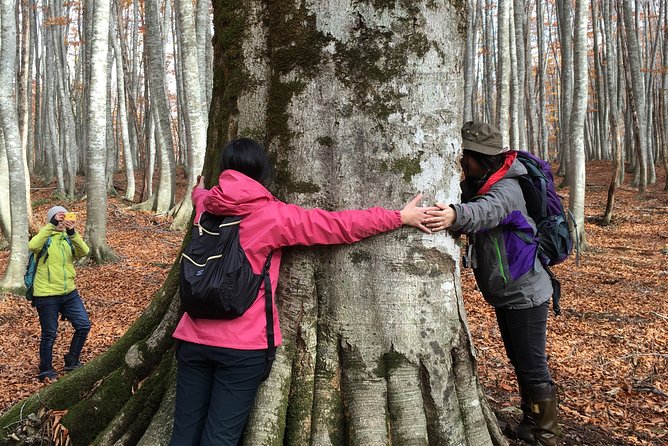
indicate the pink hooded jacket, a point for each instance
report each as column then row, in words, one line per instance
column 268, row 225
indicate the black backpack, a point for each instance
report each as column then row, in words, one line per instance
column 216, row 278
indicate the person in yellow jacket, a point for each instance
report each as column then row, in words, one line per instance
column 55, row 292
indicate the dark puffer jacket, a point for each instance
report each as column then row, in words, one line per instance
column 506, row 268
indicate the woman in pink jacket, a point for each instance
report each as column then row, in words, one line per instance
column 221, row 362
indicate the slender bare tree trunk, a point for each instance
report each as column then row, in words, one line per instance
column 543, row 138
column 601, row 107
column 24, row 89
column 638, row 98
column 578, row 115
column 519, row 42
column 610, row 72
column 470, row 60
column 564, row 10
column 16, row 162
column 5, row 208
column 155, row 70
column 664, row 94
column 491, row 105
column 194, row 103
column 96, row 182
column 205, row 49
column 122, row 121
column 503, row 73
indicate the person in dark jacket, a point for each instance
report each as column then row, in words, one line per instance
column 507, row 270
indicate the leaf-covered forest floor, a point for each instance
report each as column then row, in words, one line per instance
column 608, row 351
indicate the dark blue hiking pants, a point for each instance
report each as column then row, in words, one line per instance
column 523, row 333
column 215, row 391
column 72, row 309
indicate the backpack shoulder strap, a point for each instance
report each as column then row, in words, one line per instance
column 269, row 311
column 69, row 242
column 44, row 250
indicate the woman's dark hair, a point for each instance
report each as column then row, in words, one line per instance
column 488, row 163
column 248, row 157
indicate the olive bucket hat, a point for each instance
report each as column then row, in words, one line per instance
column 482, row 138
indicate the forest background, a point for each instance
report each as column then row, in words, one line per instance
column 96, row 106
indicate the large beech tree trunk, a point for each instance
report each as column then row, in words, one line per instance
column 359, row 105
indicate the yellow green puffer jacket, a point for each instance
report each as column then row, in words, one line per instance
column 55, row 276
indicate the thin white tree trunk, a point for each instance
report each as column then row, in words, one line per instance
column 194, row 102
column 543, row 138
column 503, row 73
column 111, row 145
column 564, row 9
column 96, row 185
column 514, row 106
column 24, row 90
column 578, row 114
column 610, row 71
column 469, row 61
column 519, row 19
column 13, row 278
column 5, row 208
column 122, row 121
column 156, row 73
column 491, row 105
column 664, row 96
column 205, row 49
column 638, row 90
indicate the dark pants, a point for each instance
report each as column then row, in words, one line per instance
column 72, row 309
column 215, row 390
column 523, row 333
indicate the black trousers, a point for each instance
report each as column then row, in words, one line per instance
column 215, row 391
column 524, row 333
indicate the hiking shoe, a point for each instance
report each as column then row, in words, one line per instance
column 48, row 377
column 72, row 366
column 71, row 362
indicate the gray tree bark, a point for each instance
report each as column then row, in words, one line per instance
column 488, row 59
column 664, row 95
column 204, row 48
column 376, row 347
column 612, row 84
column 638, row 99
column 519, row 43
column 155, row 70
column 5, row 209
column 577, row 123
column 16, row 163
column 194, row 101
column 470, row 60
column 122, row 122
column 24, row 82
column 65, row 121
column 564, row 10
column 96, row 181
column 503, row 73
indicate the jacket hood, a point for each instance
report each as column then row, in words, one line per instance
column 515, row 170
column 511, row 168
column 237, row 194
